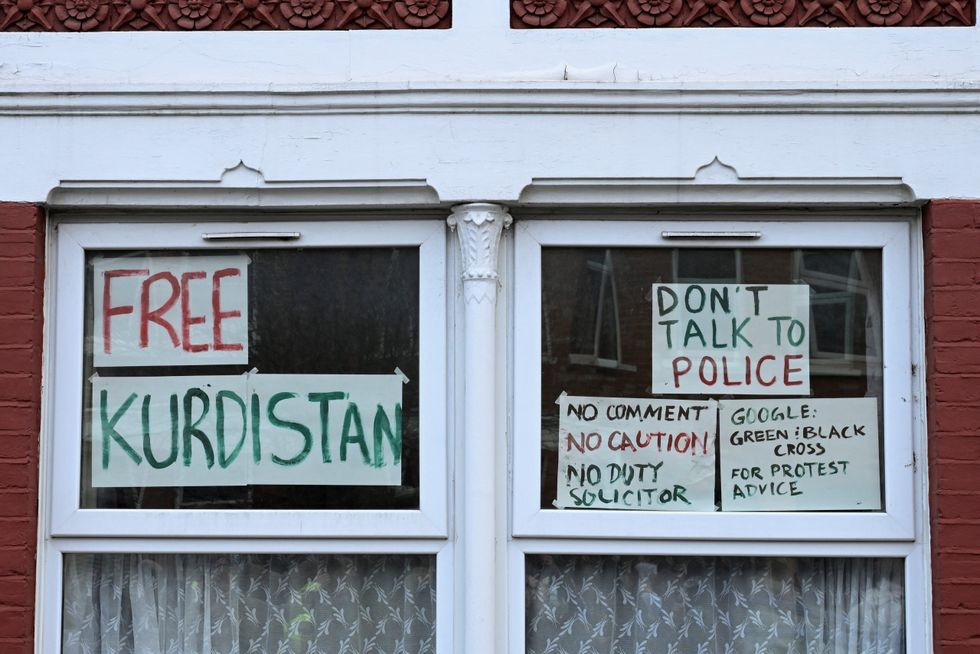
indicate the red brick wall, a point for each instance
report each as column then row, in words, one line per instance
column 21, row 286
column 952, row 308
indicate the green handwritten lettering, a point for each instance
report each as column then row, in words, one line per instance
column 353, row 418
column 224, row 459
column 288, row 424
column 324, row 400
column 382, row 429
column 109, row 429
column 190, row 426
column 174, row 429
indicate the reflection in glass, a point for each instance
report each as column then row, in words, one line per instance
column 599, row 342
column 845, row 311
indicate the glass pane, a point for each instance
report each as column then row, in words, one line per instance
column 312, row 312
column 597, row 342
column 600, row 604
column 211, row 603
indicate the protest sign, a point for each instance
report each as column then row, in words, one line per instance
column 799, row 455
column 170, row 311
column 235, row 430
column 627, row 453
column 731, row 339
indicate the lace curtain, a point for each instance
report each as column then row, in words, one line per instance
column 249, row 604
column 702, row 605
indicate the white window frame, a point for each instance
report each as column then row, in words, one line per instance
column 63, row 439
column 51, row 585
column 899, row 519
column 918, row 599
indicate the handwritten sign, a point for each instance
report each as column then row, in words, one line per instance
column 799, row 455
column 626, row 453
column 170, row 311
column 247, row 429
column 731, row 339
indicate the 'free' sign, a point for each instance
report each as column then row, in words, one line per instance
column 170, row 311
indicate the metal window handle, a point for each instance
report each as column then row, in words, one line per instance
column 745, row 236
column 239, row 236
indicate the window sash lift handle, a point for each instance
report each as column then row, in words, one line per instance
column 743, row 236
column 245, row 236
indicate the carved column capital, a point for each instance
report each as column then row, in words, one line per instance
column 478, row 226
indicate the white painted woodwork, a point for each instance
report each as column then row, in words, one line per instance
column 479, row 226
column 63, row 446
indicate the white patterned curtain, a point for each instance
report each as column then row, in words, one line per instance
column 249, row 604
column 707, row 605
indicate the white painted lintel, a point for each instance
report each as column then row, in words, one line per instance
column 243, row 187
column 717, row 184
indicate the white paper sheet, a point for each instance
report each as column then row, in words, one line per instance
column 323, row 430
column 631, row 453
column 799, row 455
column 731, row 339
column 170, row 311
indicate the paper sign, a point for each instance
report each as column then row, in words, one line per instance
column 627, row 453
column 323, row 430
column 799, row 455
column 170, row 311
column 731, row 339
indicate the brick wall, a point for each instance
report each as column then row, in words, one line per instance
column 21, row 280
column 952, row 307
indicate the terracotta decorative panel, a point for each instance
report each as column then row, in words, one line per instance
column 529, row 14
column 215, row 15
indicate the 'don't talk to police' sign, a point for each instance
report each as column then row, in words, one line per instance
column 731, row 339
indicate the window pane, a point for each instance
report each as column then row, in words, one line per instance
column 592, row 604
column 313, row 312
column 224, row 603
column 597, row 341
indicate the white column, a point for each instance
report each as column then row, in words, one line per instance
column 478, row 226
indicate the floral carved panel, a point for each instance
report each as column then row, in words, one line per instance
column 530, row 14
column 217, row 15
